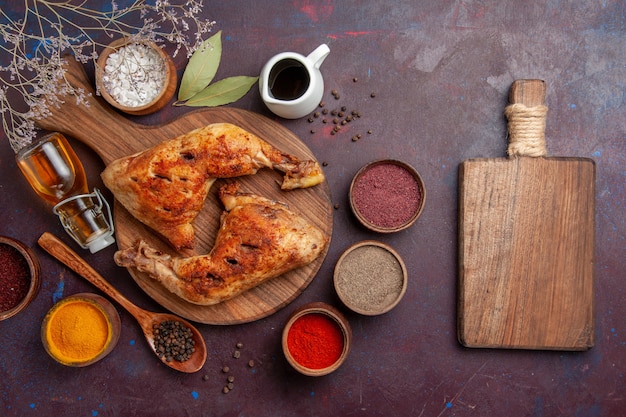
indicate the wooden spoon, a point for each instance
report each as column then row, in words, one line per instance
column 146, row 319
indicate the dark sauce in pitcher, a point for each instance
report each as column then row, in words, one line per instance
column 288, row 80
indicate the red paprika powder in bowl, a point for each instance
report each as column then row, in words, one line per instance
column 19, row 277
column 387, row 195
column 316, row 339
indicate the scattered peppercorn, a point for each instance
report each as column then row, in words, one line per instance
column 225, row 390
column 355, row 79
column 373, row 95
column 336, row 206
column 239, row 345
column 225, row 369
column 236, row 354
column 341, row 115
column 251, row 363
column 205, row 377
column 230, row 378
column 324, row 163
column 173, row 341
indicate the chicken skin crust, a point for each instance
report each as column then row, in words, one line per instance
column 258, row 239
column 165, row 186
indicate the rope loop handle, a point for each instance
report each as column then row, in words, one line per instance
column 526, row 129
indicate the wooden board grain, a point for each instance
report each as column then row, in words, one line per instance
column 112, row 136
column 526, row 246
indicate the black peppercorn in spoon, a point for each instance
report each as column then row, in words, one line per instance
column 146, row 319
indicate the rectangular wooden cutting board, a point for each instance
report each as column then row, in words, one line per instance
column 526, row 246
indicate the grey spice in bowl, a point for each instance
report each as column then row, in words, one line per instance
column 370, row 278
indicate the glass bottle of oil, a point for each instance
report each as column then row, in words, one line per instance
column 54, row 171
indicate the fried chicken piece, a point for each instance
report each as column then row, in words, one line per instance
column 258, row 239
column 165, row 186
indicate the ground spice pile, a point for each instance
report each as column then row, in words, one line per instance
column 14, row 277
column 315, row 341
column 77, row 331
column 386, row 195
column 369, row 279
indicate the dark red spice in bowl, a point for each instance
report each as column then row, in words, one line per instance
column 19, row 277
column 316, row 339
column 387, row 195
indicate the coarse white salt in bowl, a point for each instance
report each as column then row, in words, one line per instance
column 135, row 77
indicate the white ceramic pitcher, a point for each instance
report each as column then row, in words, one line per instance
column 291, row 84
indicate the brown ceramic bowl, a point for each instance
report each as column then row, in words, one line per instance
column 336, row 318
column 34, row 273
column 382, row 203
column 166, row 92
column 103, row 307
column 370, row 278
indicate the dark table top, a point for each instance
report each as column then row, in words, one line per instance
column 441, row 72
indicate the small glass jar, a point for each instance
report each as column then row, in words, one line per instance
column 54, row 171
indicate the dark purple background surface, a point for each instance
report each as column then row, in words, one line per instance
column 441, row 71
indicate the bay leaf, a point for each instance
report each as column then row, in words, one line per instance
column 222, row 92
column 201, row 67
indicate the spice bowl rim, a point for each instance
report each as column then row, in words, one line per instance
column 164, row 96
column 318, row 307
column 368, row 224
column 105, row 307
column 34, row 270
column 342, row 295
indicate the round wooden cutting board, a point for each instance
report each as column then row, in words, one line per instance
column 113, row 136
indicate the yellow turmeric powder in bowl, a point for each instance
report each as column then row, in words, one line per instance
column 80, row 329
